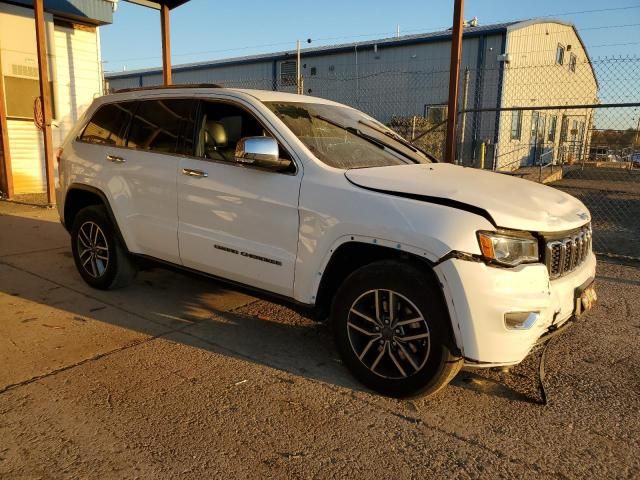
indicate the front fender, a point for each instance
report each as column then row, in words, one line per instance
column 333, row 212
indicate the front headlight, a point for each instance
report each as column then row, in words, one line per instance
column 508, row 248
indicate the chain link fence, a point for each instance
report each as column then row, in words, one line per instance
column 571, row 125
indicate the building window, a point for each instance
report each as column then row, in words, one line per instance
column 313, row 71
column 288, row 73
column 553, row 122
column 573, row 60
column 516, row 124
column 436, row 113
column 560, row 55
column 20, row 94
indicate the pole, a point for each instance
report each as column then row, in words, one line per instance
column 45, row 96
column 298, row 69
column 6, row 179
column 166, row 45
column 463, row 124
column 454, row 77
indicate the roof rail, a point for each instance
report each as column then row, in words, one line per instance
column 165, row 87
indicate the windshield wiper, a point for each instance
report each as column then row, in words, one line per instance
column 353, row 130
column 399, row 138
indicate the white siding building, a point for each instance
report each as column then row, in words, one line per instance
column 73, row 49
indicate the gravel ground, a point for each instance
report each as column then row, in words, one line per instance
column 178, row 377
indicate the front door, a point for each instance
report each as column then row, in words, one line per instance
column 538, row 124
column 237, row 222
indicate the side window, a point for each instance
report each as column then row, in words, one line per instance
column 221, row 126
column 573, row 60
column 560, row 55
column 108, row 125
column 165, row 126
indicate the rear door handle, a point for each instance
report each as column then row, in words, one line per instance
column 115, row 159
column 194, row 173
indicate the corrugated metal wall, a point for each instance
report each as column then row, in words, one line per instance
column 385, row 81
column 78, row 79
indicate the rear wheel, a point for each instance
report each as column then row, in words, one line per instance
column 100, row 257
column 391, row 328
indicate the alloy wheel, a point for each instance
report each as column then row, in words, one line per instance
column 93, row 249
column 388, row 334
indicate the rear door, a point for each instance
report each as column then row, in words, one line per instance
column 237, row 222
column 138, row 168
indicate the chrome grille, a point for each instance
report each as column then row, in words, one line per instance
column 564, row 255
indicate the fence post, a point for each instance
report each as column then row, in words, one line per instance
column 463, row 123
column 454, row 77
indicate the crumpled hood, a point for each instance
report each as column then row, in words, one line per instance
column 510, row 201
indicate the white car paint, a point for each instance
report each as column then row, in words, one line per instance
column 301, row 219
column 511, row 201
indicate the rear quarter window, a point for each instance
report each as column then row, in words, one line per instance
column 108, row 125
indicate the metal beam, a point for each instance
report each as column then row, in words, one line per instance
column 454, row 77
column 6, row 176
column 45, row 96
column 156, row 5
column 166, row 44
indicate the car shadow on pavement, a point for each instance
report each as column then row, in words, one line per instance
column 181, row 307
column 176, row 306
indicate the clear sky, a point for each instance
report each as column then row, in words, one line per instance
column 210, row 29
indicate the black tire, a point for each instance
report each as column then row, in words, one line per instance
column 411, row 289
column 115, row 272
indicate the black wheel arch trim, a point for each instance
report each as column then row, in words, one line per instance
column 99, row 193
column 447, row 202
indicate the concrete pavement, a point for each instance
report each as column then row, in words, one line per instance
column 180, row 376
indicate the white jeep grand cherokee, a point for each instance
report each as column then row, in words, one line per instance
column 420, row 266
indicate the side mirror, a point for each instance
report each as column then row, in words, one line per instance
column 260, row 152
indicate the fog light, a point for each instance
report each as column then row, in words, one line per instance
column 520, row 320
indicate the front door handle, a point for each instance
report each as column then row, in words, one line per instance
column 194, row 173
column 115, row 159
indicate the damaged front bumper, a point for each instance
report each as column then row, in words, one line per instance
column 485, row 303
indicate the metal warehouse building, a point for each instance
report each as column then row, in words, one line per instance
column 518, row 64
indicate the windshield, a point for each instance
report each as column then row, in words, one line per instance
column 345, row 138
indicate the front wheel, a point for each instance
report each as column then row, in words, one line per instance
column 391, row 329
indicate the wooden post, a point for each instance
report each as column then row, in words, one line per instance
column 454, row 76
column 6, row 178
column 166, row 44
column 45, row 95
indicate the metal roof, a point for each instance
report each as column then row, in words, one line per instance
column 96, row 12
column 469, row 32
